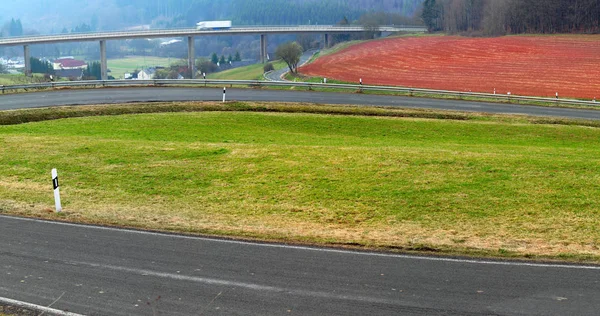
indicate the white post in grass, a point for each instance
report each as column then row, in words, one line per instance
column 56, row 190
column 224, row 92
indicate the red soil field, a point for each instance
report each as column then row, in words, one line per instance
column 522, row 65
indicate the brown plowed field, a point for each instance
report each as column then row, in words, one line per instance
column 523, row 65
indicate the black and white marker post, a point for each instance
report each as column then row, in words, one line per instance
column 224, row 92
column 56, row 190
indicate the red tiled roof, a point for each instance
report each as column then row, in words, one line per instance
column 70, row 63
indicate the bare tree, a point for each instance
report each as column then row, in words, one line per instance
column 497, row 17
column 495, row 20
column 290, row 52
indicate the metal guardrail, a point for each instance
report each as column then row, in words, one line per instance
column 309, row 85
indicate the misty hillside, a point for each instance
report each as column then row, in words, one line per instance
column 55, row 16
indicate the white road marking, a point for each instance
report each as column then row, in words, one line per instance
column 39, row 308
column 226, row 283
column 306, row 248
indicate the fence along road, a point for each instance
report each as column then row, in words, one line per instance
column 263, row 31
column 159, row 94
column 274, row 83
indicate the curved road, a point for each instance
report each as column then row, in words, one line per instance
column 109, row 95
column 103, row 271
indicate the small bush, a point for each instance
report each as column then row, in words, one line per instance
column 207, row 67
column 268, row 67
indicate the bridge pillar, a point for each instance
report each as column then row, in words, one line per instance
column 263, row 48
column 191, row 57
column 326, row 39
column 27, row 58
column 103, row 62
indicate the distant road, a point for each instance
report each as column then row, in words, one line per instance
column 101, row 271
column 99, row 96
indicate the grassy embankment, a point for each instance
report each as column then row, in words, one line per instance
column 9, row 79
column 252, row 72
column 469, row 184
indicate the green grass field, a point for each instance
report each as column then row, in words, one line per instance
column 488, row 185
column 252, row 72
column 119, row 67
column 9, row 79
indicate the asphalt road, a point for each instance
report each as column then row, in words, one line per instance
column 98, row 271
column 96, row 96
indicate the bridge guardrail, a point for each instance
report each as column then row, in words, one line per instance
column 309, row 85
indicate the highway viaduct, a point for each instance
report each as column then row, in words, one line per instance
column 263, row 31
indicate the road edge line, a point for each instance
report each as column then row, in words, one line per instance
column 317, row 248
column 39, row 308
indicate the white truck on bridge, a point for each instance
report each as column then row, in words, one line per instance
column 213, row 25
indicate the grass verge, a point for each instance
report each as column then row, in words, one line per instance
column 252, row 72
column 410, row 180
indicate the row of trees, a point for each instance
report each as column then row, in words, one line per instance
column 498, row 17
column 40, row 67
column 214, row 58
column 12, row 28
column 93, row 71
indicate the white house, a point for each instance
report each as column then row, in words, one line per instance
column 146, row 74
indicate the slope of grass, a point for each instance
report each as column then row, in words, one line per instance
column 252, row 72
column 9, row 79
column 497, row 185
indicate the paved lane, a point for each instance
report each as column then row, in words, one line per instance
column 95, row 96
column 100, row 271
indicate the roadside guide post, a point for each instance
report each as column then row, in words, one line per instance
column 56, row 190
column 224, row 92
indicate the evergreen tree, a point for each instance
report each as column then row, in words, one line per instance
column 430, row 15
column 40, row 67
column 93, row 71
column 237, row 57
column 214, row 58
column 222, row 60
column 19, row 28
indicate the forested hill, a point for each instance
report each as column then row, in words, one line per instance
column 498, row 17
column 254, row 12
column 53, row 16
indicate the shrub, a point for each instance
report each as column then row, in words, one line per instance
column 268, row 67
